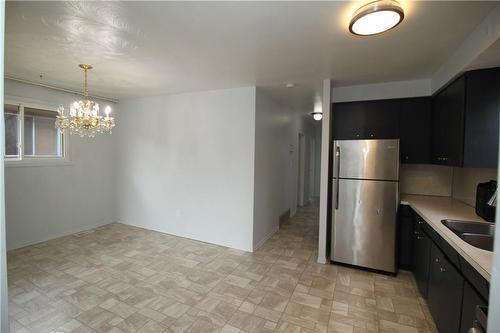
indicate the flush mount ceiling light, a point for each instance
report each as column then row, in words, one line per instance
column 376, row 17
column 317, row 115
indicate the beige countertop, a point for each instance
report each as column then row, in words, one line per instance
column 434, row 209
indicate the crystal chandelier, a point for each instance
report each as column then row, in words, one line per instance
column 84, row 118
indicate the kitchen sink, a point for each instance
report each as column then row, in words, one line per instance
column 477, row 234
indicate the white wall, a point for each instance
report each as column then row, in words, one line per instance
column 277, row 131
column 185, row 165
column 317, row 164
column 275, row 165
column 4, row 315
column 325, row 180
column 50, row 201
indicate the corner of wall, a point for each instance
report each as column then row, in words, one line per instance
column 483, row 36
column 324, row 181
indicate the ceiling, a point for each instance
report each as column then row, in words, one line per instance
column 153, row 48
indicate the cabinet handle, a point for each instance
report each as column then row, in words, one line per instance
column 436, row 260
column 442, row 269
column 418, row 237
column 371, row 135
column 420, row 222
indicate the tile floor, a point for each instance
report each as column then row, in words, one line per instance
column 124, row 279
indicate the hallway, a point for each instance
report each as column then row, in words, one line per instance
column 125, row 279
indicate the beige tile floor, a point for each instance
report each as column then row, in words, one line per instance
column 125, row 279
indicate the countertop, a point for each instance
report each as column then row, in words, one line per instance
column 434, row 209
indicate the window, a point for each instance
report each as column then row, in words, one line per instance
column 11, row 116
column 31, row 135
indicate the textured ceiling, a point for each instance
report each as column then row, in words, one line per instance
column 152, row 48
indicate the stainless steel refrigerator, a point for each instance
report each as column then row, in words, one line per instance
column 365, row 202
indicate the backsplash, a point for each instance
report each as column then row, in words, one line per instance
column 465, row 182
column 459, row 183
column 426, row 179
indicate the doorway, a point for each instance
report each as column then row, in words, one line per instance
column 301, row 169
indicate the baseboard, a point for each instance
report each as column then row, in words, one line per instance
column 263, row 240
column 322, row 260
column 59, row 235
column 190, row 237
column 284, row 217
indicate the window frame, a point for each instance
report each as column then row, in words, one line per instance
column 29, row 161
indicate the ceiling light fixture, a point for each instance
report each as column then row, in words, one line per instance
column 84, row 118
column 317, row 115
column 376, row 17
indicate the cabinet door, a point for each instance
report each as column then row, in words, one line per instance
column 448, row 124
column 349, row 120
column 444, row 293
column 421, row 257
column 405, row 237
column 415, row 130
column 482, row 118
column 382, row 119
column 470, row 301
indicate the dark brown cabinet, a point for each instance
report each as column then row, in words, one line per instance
column 482, row 118
column 349, row 121
column 382, row 119
column 471, row 300
column 465, row 120
column 458, row 126
column 405, row 237
column 445, row 292
column 408, row 119
column 421, row 256
column 448, row 124
column 415, row 130
column 366, row 120
column 452, row 287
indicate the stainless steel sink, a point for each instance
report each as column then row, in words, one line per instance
column 484, row 242
column 470, row 227
column 477, row 234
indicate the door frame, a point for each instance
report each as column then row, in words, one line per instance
column 301, row 166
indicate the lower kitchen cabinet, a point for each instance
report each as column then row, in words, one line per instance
column 470, row 301
column 421, row 256
column 405, row 237
column 444, row 292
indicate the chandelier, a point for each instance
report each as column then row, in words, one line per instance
column 84, row 118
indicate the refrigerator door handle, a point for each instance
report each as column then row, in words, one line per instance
column 337, row 156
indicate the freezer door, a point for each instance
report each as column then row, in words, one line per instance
column 364, row 224
column 367, row 159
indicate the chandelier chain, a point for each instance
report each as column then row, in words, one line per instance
column 85, row 84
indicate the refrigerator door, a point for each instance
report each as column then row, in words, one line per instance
column 367, row 159
column 364, row 224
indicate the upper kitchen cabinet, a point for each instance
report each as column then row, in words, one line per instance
column 366, row 120
column 465, row 121
column 382, row 119
column 415, row 130
column 349, row 120
column 482, row 118
column 448, row 124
